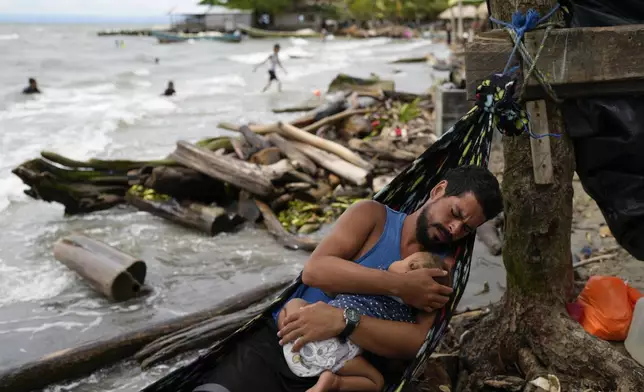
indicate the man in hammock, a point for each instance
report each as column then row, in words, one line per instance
column 367, row 237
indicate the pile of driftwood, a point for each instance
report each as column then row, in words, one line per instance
column 295, row 175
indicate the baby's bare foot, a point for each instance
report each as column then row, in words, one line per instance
column 325, row 383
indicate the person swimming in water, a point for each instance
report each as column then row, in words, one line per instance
column 32, row 88
column 274, row 62
column 169, row 91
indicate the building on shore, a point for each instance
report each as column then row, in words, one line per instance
column 197, row 18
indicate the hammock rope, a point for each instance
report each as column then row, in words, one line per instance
column 467, row 142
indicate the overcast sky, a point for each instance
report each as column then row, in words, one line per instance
column 93, row 7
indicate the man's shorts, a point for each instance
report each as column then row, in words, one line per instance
column 316, row 357
column 271, row 75
column 255, row 363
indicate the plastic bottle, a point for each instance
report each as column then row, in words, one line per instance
column 635, row 339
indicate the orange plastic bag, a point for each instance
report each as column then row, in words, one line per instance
column 608, row 304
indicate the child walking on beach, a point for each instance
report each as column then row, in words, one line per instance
column 274, row 61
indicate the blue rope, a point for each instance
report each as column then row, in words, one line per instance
column 521, row 23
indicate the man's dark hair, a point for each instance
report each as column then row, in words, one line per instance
column 481, row 182
column 276, row 46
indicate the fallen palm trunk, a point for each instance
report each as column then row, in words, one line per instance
column 111, row 272
column 77, row 197
column 196, row 337
column 326, row 145
column 98, row 164
column 211, row 220
column 82, row 360
column 253, row 178
column 334, row 164
column 285, row 238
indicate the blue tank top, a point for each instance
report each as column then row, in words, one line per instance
column 381, row 255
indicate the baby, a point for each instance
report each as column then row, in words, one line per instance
column 339, row 364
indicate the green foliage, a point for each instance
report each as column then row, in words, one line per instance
column 269, row 6
column 394, row 9
column 409, row 111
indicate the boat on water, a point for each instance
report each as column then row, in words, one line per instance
column 167, row 37
column 259, row 33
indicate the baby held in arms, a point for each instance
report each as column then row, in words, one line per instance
column 338, row 363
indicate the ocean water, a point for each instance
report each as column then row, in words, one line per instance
column 102, row 100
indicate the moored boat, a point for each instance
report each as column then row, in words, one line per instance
column 167, row 37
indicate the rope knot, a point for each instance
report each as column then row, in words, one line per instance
column 525, row 22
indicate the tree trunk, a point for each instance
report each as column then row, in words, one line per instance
column 530, row 327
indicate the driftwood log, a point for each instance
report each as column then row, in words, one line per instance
column 327, row 145
column 297, row 159
column 293, row 109
column 253, row 178
column 334, row 119
column 82, row 360
column 194, row 337
column 115, row 274
column 285, row 238
column 382, row 150
column 334, row 164
column 211, row 220
column 183, row 183
column 78, row 195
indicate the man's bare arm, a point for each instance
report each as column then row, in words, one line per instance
column 392, row 339
column 329, row 268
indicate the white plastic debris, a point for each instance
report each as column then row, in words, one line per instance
column 550, row 384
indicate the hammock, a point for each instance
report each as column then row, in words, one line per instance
column 468, row 142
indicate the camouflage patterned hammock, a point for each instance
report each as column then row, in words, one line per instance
column 468, row 142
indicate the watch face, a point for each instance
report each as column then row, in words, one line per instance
column 352, row 315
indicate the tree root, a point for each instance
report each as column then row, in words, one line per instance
column 537, row 340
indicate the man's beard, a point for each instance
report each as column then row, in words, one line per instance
column 422, row 235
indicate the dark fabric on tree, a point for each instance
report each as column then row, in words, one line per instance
column 608, row 136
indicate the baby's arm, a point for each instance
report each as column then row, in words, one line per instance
column 291, row 306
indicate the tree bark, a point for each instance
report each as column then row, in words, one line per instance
column 531, row 320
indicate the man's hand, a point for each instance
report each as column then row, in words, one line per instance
column 312, row 323
column 420, row 290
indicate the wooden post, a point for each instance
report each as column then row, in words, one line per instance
column 540, row 148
